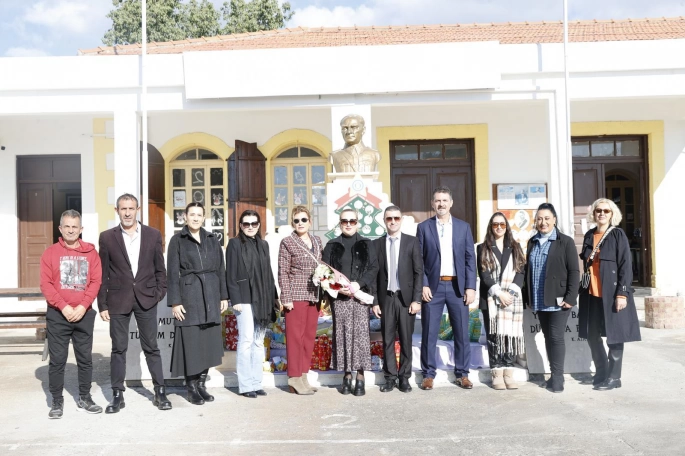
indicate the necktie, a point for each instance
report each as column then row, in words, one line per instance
column 392, row 270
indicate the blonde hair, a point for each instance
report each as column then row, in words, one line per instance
column 297, row 210
column 616, row 216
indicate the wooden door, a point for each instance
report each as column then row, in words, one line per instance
column 588, row 185
column 35, row 230
column 411, row 190
column 459, row 179
column 247, row 184
column 155, row 186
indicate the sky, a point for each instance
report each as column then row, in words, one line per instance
column 61, row 27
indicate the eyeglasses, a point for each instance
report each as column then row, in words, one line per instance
column 246, row 225
column 390, row 219
column 599, row 211
column 303, row 220
column 502, row 225
column 351, row 222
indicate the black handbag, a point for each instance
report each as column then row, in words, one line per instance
column 585, row 277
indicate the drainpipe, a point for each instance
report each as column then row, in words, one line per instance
column 566, row 165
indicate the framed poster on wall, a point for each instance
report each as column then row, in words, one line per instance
column 518, row 204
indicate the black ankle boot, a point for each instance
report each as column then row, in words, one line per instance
column 117, row 402
column 202, row 389
column 160, row 401
column 347, row 385
column 359, row 389
column 193, row 395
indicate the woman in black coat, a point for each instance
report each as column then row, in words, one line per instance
column 607, row 308
column 501, row 263
column 551, row 287
column 354, row 256
column 254, row 299
column 197, row 294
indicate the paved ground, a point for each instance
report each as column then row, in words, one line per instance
column 646, row 416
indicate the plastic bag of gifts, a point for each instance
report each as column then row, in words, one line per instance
column 377, row 348
column 445, row 331
column 475, row 325
column 376, row 363
column 322, row 354
column 279, row 364
column 231, row 337
column 278, row 333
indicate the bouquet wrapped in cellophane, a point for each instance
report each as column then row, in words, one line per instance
column 333, row 280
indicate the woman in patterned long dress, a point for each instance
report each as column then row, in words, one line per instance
column 354, row 256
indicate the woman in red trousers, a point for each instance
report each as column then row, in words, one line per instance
column 298, row 256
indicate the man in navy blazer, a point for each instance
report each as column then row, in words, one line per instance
column 449, row 266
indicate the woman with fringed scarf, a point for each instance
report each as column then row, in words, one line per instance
column 501, row 265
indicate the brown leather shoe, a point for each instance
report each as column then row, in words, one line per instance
column 464, row 382
column 427, row 384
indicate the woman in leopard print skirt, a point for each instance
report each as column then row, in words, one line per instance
column 353, row 255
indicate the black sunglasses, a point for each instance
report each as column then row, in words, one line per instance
column 390, row 219
column 303, row 220
column 250, row 224
column 351, row 222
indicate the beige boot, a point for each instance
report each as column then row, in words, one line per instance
column 497, row 380
column 296, row 386
column 509, row 379
column 305, row 381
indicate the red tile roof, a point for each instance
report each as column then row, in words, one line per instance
column 505, row 33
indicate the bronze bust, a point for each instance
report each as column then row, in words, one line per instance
column 355, row 157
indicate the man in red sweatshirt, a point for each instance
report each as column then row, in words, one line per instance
column 70, row 278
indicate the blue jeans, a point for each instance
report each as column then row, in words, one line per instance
column 250, row 353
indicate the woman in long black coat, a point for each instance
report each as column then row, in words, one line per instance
column 197, row 294
column 354, row 256
column 607, row 308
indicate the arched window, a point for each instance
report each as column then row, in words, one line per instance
column 299, row 178
column 199, row 175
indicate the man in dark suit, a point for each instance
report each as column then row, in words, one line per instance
column 449, row 264
column 133, row 282
column 399, row 297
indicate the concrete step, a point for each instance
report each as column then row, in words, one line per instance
column 480, row 377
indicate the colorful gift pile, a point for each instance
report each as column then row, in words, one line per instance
column 475, row 325
column 376, row 363
column 377, row 348
column 278, row 333
column 231, row 338
column 323, row 351
column 279, row 364
column 445, row 331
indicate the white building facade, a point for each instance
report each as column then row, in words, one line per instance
column 473, row 114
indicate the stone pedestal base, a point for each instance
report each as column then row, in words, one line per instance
column 665, row 312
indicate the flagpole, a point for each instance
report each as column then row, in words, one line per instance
column 143, row 107
column 568, row 160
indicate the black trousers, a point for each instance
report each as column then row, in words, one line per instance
column 507, row 358
column 553, row 326
column 60, row 332
column 147, row 332
column 395, row 318
column 605, row 367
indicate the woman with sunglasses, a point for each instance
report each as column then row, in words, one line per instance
column 197, row 295
column 254, row 298
column 607, row 308
column 501, row 264
column 551, row 287
column 298, row 256
column 354, row 256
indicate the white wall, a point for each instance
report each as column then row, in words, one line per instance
column 249, row 126
column 518, row 138
column 41, row 136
